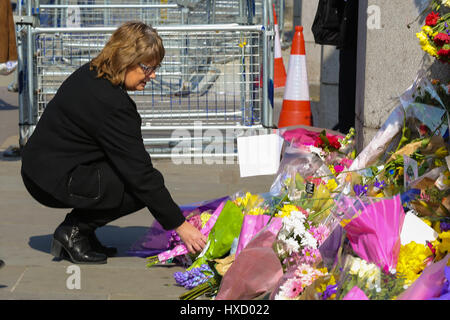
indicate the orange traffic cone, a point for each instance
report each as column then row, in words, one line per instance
column 279, row 71
column 296, row 109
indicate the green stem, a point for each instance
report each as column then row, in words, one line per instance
column 152, row 261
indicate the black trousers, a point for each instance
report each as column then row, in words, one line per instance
column 86, row 219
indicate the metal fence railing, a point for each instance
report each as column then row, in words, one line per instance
column 211, row 77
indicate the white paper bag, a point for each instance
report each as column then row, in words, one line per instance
column 259, row 155
column 414, row 229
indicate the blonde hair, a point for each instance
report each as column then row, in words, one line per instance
column 132, row 43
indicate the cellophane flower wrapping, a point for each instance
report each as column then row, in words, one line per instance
column 251, row 225
column 256, row 270
column 156, row 238
column 222, row 235
column 355, row 294
column 181, row 248
column 430, row 284
column 373, row 227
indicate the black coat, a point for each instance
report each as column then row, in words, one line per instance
column 87, row 148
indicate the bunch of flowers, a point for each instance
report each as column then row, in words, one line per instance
column 335, row 151
column 435, row 35
column 298, row 240
column 196, row 220
column 250, row 204
column 194, row 277
column 412, row 260
column 374, row 282
column 328, row 289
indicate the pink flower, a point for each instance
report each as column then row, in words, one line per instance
column 320, row 233
column 291, row 288
column 311, row 255
column 338, row 168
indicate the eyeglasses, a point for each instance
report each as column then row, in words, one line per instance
column 149, row 70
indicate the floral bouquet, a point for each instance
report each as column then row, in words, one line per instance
column 371, row 282
column 250, row 204
column 176, row 248
column 435, row 35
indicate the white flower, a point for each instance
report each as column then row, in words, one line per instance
column 291, row 245
column 308, row 240
column 355, row 266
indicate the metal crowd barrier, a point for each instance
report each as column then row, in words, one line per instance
column 211, row 79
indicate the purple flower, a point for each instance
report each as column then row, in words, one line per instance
column 445, row 226
column 360, row 190
column 379, row 185
column 194, row 277
column 329, row 291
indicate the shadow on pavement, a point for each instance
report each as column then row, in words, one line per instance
column 112, row 236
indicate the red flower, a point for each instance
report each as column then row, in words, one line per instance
column 444, row 53
column 334, row 142
column 441, row 38
column 318, row 142
column 432, row 19
column 423, row 129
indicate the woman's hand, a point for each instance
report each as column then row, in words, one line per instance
column 193, row 239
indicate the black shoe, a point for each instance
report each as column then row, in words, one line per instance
column 2, row 264
column 69, row 243
column 98, row 247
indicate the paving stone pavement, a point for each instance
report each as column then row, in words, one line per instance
column 26, row 228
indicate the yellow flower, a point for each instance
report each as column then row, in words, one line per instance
column 256, row 211
column 205, row 217
column 286, row 211
column 430, row 50
column 428, row 30
column 331, row 167
column 331, row 184
column 422, row 38
column 344, row 222
column 446, row 3
column 412, row 260
column 379, row 195
column 323, row 286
